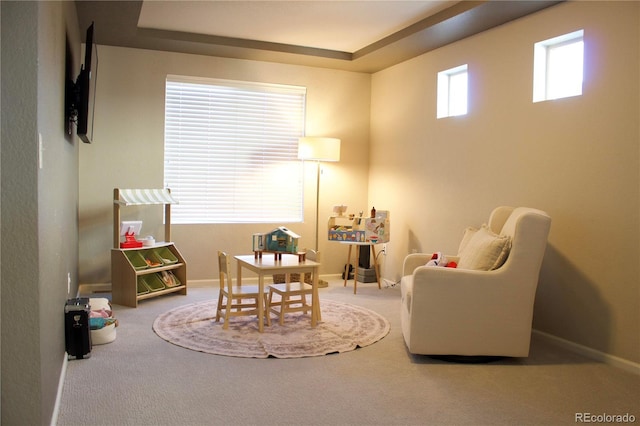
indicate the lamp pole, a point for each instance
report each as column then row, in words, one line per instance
column 318, row 149
column 317, row 205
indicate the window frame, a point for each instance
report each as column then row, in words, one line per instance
column 544, row 72
column 447, row 104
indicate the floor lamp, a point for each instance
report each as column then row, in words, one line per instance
column 318, row 149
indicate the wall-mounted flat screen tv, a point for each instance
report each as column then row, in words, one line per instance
column 87, row 88
column 81, row 94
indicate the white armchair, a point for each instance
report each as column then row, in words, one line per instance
column 458, row 311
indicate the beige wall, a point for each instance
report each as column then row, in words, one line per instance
column 576, row 158
column 40, row 50
column 128, row 153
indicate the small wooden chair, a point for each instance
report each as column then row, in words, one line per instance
column 241, row 300
column 293, row 295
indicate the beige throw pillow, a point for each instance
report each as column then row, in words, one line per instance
column 484, row 251
column 468, row 234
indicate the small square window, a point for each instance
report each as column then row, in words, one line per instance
column 452, row 92
column 558, row 67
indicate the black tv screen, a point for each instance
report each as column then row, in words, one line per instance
column 86, row 86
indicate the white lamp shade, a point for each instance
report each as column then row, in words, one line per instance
column 319, row 149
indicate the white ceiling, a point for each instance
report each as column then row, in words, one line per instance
column 346, row 26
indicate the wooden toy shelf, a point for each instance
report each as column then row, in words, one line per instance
column 132, row 279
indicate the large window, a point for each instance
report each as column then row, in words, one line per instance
column 231, row 150
column 558, row 67
column 452, row 92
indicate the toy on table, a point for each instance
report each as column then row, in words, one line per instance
column 280, row 240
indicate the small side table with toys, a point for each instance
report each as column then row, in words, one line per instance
column 360, row 232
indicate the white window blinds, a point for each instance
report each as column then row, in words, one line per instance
column 231, row 150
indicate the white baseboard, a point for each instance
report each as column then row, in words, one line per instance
column 56, row 406
column 624, row 364
column 205, row 283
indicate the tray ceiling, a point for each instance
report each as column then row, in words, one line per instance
column 364, row 36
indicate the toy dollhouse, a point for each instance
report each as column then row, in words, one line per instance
column 280, row 240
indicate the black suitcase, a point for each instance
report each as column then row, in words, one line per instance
column 77, row 331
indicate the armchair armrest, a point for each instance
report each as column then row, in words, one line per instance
column 447, row 277
column 415, row 260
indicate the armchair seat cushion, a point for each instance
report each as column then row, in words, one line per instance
column 484, row 250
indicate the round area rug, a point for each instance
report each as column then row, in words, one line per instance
column 343, row 327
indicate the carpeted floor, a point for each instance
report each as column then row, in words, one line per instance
column 140, row 379
column 344, row 327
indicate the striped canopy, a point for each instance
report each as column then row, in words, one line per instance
column 130, row 197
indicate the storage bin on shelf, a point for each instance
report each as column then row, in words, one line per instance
column 166, row 256
column 153, row 282
column 360, row 229
column 136, row 259
column 169, row 279
column 141, row 287
column 152, row 259
column 157, row 281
